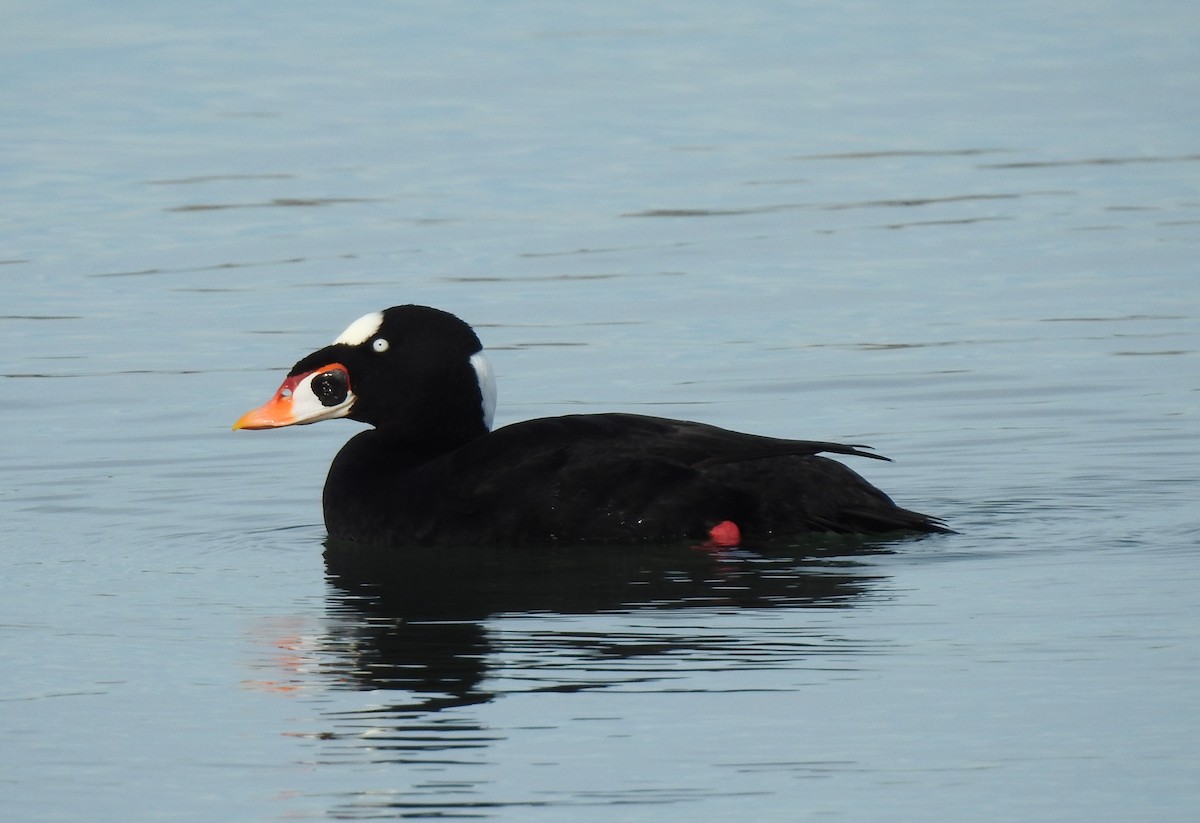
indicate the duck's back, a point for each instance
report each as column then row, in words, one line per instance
column 601, row 478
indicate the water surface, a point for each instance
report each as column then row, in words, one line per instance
column 964, row 235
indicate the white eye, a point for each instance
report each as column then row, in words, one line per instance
column 380, row 345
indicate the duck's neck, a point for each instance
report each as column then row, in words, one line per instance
column 393, row 451
column 377, row 473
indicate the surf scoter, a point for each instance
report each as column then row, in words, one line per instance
column 431, row 471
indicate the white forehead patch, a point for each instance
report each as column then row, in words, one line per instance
column 360, row 330
column 487, row 387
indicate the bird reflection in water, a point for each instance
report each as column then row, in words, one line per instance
column 419, row 621
column 411, row 639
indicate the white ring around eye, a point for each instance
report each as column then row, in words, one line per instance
column 380, row 345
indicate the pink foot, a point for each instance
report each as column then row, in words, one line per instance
column 724, row 535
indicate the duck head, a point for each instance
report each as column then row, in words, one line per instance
column 412, row 371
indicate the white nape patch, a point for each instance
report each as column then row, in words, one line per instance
column 360, row 330
column 487, row 386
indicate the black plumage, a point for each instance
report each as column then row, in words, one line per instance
column 430, row 472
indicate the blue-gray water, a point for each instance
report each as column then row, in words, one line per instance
column 966, row 234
